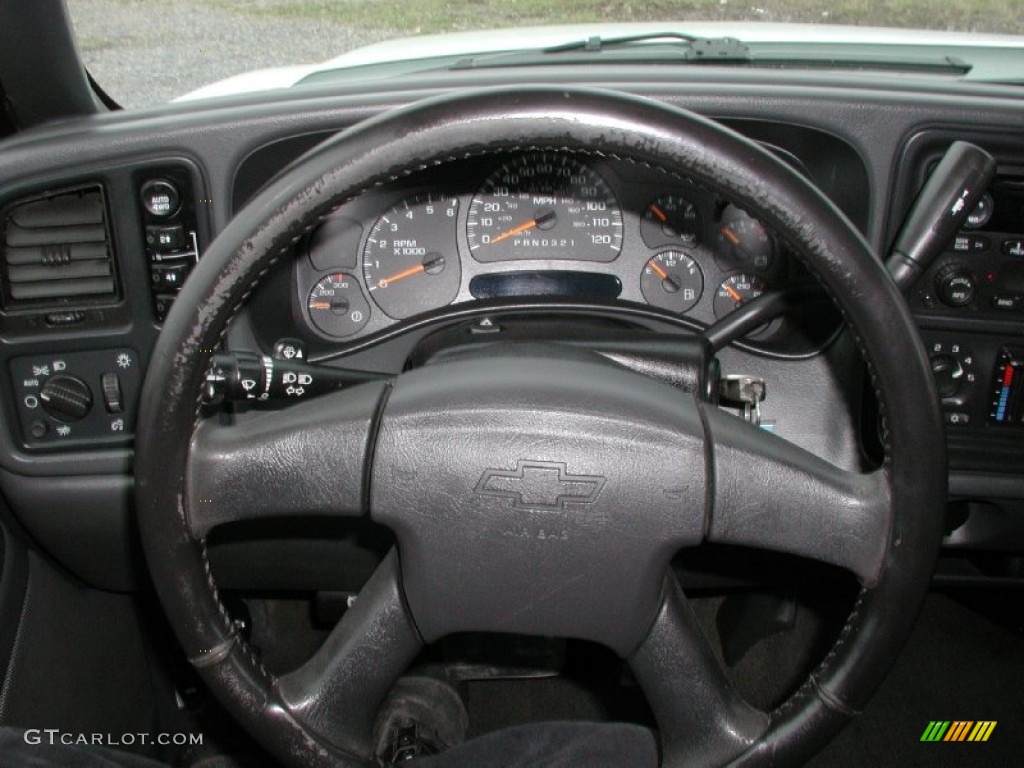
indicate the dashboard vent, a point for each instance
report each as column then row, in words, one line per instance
column 56, row 250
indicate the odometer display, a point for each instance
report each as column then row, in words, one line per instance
column 544, row 206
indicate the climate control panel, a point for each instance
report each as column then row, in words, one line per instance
column 980, row 379
column 954, row 367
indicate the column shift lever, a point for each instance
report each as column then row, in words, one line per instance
column 949, row 195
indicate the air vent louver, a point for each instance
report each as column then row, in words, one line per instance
column 56, row 250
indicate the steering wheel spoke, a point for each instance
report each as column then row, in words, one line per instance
column 337, row 692
column 309, row 459
column 703, row 720
column 772, row 494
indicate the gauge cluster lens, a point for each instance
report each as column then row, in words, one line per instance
column 410, row 261
column 539, row 224
column 673, row 281
column 742, row 241
column 337, row 306
column 544, row 206
column 671, row 220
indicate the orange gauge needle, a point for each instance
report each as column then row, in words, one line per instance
column 385, row 282
column 536, row 221
column 657, row 212
column 514, row 231
column 733, row 293
column 319, row 305
column 657, row 270
column 731, row 236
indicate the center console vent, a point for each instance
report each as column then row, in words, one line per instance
column 56, row 251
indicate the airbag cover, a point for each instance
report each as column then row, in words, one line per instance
column 538, row 496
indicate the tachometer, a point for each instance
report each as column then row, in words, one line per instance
column 410, row 260
column 544, row 205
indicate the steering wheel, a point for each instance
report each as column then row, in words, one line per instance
column 461, row 460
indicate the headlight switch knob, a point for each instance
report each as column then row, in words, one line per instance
column 67, row 398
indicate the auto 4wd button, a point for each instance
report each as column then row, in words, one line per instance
column 160, row 198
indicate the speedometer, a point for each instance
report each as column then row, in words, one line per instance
column 545, row 206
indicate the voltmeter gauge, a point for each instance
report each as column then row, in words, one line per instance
column 337, row 306
column 673, row 281
column 742, row 241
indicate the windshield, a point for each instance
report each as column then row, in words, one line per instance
column 146, row 52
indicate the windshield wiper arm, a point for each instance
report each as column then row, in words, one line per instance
column 709, row 48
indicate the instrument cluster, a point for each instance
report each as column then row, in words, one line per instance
column 536, row 224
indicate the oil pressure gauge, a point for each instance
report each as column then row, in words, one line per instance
column 671, row 220
column 336, row 305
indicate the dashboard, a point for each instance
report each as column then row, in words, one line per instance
column 512, row 242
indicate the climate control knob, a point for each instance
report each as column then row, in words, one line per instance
column 955, row 286
column 67, row 398
column 948, row 373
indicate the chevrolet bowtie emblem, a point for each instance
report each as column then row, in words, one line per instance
column 544, row 485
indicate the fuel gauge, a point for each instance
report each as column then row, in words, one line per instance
column 672, row 281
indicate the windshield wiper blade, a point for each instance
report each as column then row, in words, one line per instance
column 695, row 48
column 678, row 47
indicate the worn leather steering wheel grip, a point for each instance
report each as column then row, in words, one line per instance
column 399, row 142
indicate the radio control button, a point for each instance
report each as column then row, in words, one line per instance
column 1013, row 247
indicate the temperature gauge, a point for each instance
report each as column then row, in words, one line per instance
column 336, row 305
column 672, row 281
column 737, row 290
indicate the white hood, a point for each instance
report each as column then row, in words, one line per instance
column 533, row 38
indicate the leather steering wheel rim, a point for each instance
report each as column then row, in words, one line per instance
column 448, row 128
